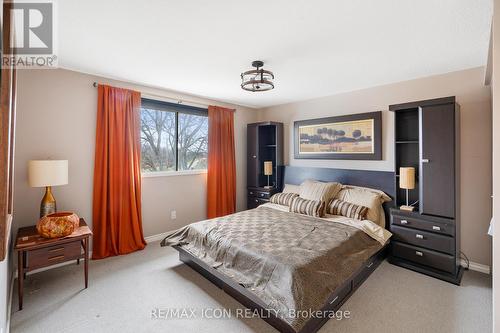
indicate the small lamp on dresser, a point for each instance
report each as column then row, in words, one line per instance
column 407, row 182
column 47, row 173
column 268, row 171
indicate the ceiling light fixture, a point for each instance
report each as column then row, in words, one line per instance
column 257, row 79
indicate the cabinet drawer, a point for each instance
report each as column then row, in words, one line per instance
column 368, row 268
column 338, row 297
column 423, row 256
column 424, row 239
column 437, row 227
column 53, row 254
column 259, row 194
column 253, row 202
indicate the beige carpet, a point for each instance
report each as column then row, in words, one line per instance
column 125, row 290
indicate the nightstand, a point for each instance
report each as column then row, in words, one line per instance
column 425, row 244
column 35, row 252
column 259, row 195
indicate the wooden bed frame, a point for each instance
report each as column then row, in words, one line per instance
column 380, row 180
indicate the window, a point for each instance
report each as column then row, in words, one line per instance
column 173, row 137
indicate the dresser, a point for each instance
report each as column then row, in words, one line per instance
column 36, row 252
column 258, row 196
column 427, row 240
column 264, row 144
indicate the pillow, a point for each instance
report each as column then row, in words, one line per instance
column 363, row 196
column 284, row 199
column 289, row 188
column 307, row 207
column 319, row 191
column 382, row 194
column 347, row 209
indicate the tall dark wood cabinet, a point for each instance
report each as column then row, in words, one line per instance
column 427, row 137
column 264, row 143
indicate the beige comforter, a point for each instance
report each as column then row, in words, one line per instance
column 290, row 261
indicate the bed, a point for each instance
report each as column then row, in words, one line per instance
column 295, row 270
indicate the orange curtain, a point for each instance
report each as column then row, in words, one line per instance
column 116, row 218
column 221, row 178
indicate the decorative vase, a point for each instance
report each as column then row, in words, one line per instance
column 57, row 225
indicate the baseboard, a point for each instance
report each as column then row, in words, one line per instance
column 474, row 266
column 156, row 237
column 9, row 305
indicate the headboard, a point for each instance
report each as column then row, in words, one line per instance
column 380, row 180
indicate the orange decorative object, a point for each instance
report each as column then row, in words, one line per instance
column 57, row 225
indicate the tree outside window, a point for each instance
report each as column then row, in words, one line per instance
column 161, row 130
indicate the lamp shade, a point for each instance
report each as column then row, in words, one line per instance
column 43, row 173
column 407, row 178
column 268, row 168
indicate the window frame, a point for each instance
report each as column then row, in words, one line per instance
column 159, row 105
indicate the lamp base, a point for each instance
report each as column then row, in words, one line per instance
column 407, row 208
column 48, row 204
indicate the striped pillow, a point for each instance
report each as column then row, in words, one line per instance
column 284, row 199
column 347, row 209
column 308, row 207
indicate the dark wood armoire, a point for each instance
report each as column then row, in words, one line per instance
column 264, row 143
column 427, row 137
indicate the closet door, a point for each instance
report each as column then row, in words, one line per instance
column 437, row 160
column 252, row 155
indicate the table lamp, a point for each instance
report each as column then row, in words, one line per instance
column 407, row 182
column 268, row 171
column 47, row 173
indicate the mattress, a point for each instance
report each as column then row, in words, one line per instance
column 292, row 262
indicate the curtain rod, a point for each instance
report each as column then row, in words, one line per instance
column 176, row 100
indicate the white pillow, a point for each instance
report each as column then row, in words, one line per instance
column 364, row 196
column 319, row 191
column 289, row 188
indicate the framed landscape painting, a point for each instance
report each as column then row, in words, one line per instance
column 350, row 137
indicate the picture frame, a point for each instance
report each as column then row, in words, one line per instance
column 347, row 137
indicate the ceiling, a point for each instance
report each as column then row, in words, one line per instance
column 315, row 48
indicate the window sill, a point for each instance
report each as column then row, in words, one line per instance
column 172, row 173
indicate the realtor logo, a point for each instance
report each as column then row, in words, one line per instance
column 31, row 35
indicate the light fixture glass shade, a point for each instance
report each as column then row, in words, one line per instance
column 257, row 79
column 268, row 168
column 42, row 173
column 407, row 178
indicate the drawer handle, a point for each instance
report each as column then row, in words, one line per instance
column 256, row 200
column 436, row 228
column 404, row 222
column 262, row 194
column 418, row 253
column 333, row 301
column 251, row 192
column 419, row 236
column 56, row 250
column 56, row 258
column 369, row 265
column 425, row 160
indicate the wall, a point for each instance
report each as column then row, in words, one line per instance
column 56, row 117
column 475, row 101
column 496, row 163
column 5, row 280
